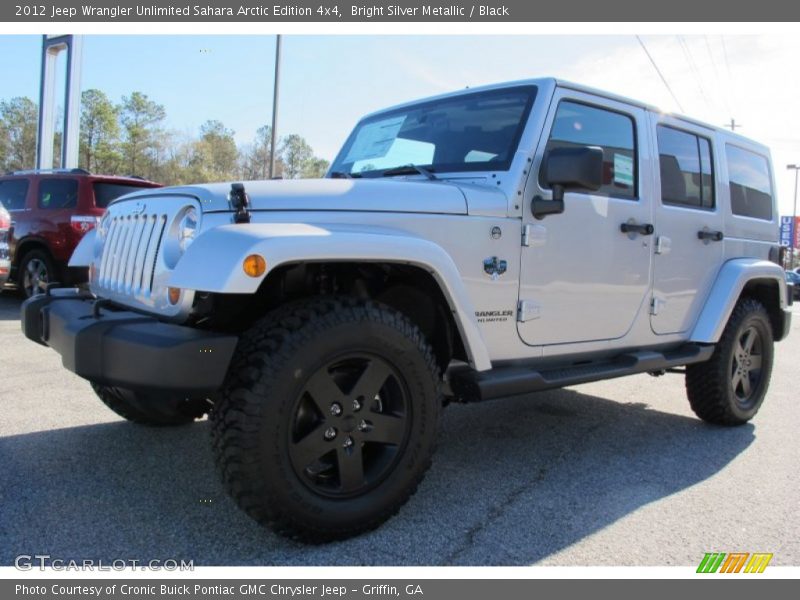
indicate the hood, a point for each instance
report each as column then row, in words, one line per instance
column 366, row 195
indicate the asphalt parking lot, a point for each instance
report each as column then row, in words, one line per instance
column 613, row 473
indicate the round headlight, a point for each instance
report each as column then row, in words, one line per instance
column 187, row 228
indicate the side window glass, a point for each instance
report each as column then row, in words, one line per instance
column 13, row 193
column 578, row 124
column 751, row 186
column 687, row 175
column 57, row 194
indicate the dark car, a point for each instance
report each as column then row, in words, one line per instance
column 50, row 212
column 5, row 263
column 794, row 278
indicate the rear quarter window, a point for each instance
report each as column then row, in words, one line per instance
column 105, row 192
column 13, row 193
column 750, row 183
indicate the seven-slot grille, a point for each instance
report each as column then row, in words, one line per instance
column 130, row 252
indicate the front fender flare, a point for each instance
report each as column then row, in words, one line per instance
column 83, row 255
column 213, row 263
column 731, row 281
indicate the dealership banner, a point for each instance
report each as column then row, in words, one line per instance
column 790, row 230
column 76, row 11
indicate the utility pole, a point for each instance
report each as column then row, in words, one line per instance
column 794, row 168
column 273, row 132
column 732, row 125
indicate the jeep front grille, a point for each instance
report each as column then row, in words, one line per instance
column 136, row 254
column 131, row 249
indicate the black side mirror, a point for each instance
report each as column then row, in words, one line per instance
column 569, row 168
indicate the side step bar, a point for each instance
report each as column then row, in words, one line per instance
column 474, row 386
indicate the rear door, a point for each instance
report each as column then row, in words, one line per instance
column 689, row 224
column 56, row 202
column 582, row 278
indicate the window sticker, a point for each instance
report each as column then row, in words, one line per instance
column 623, row 170
column 375, row 139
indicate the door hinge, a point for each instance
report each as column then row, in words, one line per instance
column 663, row 244
column 527, row 310
column 526, row 235
column 656, row 304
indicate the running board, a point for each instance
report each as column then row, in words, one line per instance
column 473, row 386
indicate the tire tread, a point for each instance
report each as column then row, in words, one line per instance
column 260, row 357
column 707, row 382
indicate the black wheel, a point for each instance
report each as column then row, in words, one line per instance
column 328, row 419
column 151, row 408
column 35, row 271
column 730, row 387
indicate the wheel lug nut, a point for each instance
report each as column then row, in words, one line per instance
column 336, row 409
column 356, row 405
column 330, row 433
column 363, row 425
column 348, row 442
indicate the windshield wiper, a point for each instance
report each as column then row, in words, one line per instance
column 409, row 169
column 343, row 175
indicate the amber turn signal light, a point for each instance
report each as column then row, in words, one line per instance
column 174, row 295
column 254, row 265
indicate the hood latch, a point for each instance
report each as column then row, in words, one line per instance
column 240, row 202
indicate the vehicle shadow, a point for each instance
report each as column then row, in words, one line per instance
column 512, row 483
column 10, row 302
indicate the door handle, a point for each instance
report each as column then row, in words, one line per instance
column 713, row 236
column 643, row 229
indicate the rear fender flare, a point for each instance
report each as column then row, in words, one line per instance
column 728, row 287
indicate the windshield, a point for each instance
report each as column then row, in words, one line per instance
column 469, row 132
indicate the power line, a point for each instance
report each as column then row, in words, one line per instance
column 728, row 69
column 717, row 78
column 725, row 54
column 695, row 71
column 660, row 74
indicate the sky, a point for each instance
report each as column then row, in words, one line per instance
column 328, row 82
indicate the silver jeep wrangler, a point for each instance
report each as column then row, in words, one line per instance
column 482, row 244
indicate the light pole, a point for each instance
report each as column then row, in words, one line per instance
column 794, row 168
column 274, row 132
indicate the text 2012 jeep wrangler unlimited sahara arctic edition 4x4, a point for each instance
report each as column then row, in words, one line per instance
column 486, row 243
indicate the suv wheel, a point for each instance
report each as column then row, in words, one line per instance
column 328, row 419
column 154, row 409
column 730, row 387
column 35, row 272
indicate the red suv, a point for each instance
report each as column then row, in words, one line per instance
column 50, row 211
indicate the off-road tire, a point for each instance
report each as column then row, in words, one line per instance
column 152, row 409
column 253, row 424
column 710, row 385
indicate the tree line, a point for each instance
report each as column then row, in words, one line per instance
column 130, row 138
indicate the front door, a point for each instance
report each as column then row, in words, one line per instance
column 689, row 224
column 582, row 277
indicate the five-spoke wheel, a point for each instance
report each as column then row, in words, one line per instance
column 36, row 271
column 350, row 423
column 746, row 366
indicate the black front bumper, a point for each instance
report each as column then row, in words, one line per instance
column 126, row 349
